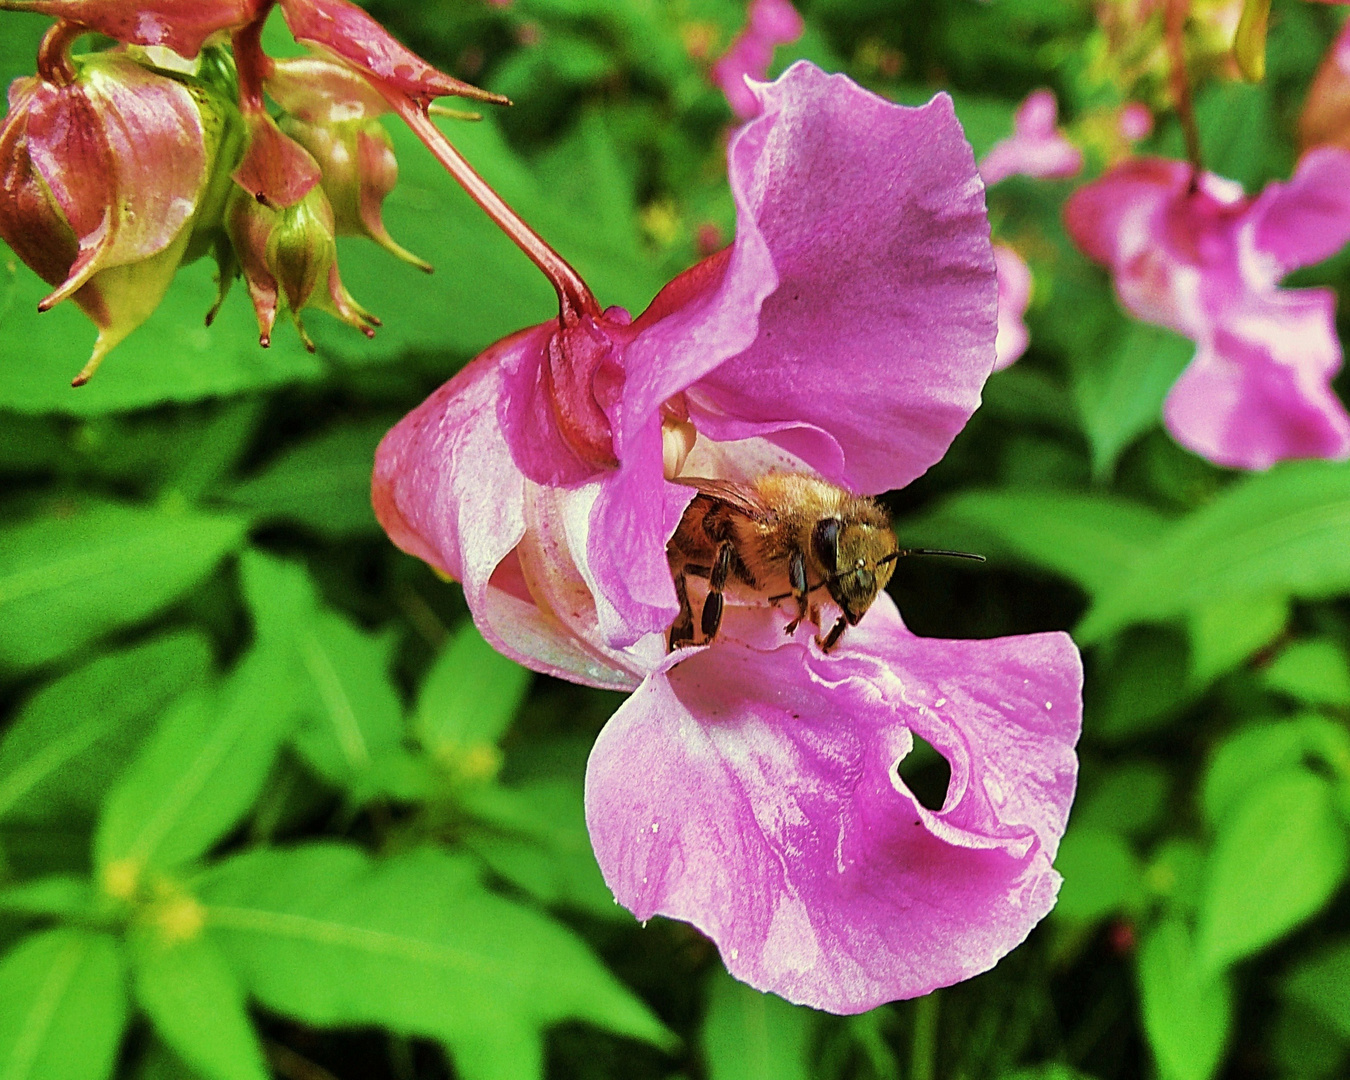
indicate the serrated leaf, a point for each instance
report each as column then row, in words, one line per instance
column 1120, row 395
column 1188, row 1014
column 468, row 699
column 1316, row 672
column 1281, row 533
column 1249, row 755
column 326, row 935
column 196, row 1005
column 72, row 739
column 74, row 573
column 198, row 775
column 1091, row 540
column 322, row 483
column 63, row 1006
column 1321, row 983
column 1102, row 876
column 752, row 1036
column 1279, row 855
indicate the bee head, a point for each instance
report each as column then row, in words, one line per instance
column 858, row 558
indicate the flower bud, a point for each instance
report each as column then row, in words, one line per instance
column 288, row 258
column 332, row 112
column 103, row 167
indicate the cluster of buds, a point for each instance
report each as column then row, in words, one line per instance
column 118, row 167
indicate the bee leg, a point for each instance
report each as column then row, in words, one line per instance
column 682, row 630
column 717, row 581
column 832, row 638
column 797, row 579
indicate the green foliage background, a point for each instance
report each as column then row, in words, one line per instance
column 269, row 806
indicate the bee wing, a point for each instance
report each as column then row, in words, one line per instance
column 740, row 497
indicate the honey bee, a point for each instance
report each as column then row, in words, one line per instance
column 786, row 535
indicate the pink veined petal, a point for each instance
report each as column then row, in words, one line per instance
column 1303, row 221
column 181, row 25
column 872, row 350
column 753, row 793
column 1036, row 148
column 447, row 491
column 1014, row 295
column 1258, row 392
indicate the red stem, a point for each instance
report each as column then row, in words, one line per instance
column 53, row 58
column 1175, row 32
column 252, row 63
column 574, row 295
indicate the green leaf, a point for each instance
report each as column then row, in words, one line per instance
column 1131, row 799
column 351, row 713
column 1101, row 875
column 1177, row 874
column 1316, row 672
column 322, row 483
column 1188, row 1015
column 173, row 357
column 1091, row 540
column 1120, row 395
column 1249, row 755
column 195, row 1002
column 73, row 738
column 1141, row 683
column 1226, row 633
column 198, row 775
column 1281, row 533
column 1279, row 855
column 752, row 1036
column 1321, row 983
column 468, row 700
column 536, row 839
column 63, row 1006
column 60, row 896
column 76, row 572
column 326, row 935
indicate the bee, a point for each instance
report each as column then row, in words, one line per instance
column 786, row 535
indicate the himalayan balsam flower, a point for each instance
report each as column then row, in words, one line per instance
column 1206, row 261
column 1014, row 297
column 1036, row 147
column 770, row 23
column 750, row 786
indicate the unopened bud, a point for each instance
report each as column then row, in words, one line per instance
column 103, row 167
column 333, row 113
column 288, row 258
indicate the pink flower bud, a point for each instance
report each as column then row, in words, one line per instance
column 288, row 258
column 332, row 112
column 103, row 167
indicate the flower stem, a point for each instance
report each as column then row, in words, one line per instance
column 1175, row 32
column 575, row 298
column 252, row 63
column 53, row 58
column 923, row 1047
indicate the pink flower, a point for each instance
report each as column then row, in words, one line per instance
column 1036, row 148
column 749, row 786
column 1206, row 261
column 1014, row 295
column 771, row 23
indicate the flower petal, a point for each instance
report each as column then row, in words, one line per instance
column 1014, row 294
column 181, row 25
column 1036, row 148
column 754, row 794
column 871, row 352
column 1305, row 220
column 447, row 491
column 1258, row 390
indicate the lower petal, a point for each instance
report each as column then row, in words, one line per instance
column 754, row 794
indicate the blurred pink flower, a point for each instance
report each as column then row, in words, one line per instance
column 1206, row 261
column 749, row 786
column 1036, row 147
column 771, row 23
column 1014, row 295
column 1136, row 121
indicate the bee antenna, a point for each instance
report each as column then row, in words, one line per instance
column 933, row 551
